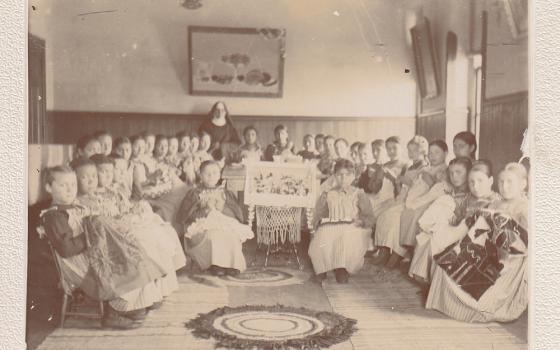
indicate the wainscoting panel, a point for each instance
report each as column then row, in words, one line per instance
column 431, row 125
column 502, row 123
column 69, row 126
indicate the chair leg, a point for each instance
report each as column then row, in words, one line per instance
column 101, row 309
column 63, row 310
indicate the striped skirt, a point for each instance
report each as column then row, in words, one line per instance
column 409, row 225
column 387, row 229
column 336, row 246
column 505, row 301
column 422, row 261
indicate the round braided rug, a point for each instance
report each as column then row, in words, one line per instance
column 262, row 277
column 272, row 327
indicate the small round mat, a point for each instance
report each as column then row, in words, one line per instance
column 272, row 327
column 262, row 277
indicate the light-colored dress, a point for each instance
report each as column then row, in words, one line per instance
column 165, row 194
column 158, row 238
column 503, row 301
column 399, row 218
column 419, row 197
column 250, row 154
column 338, row 242
column 217, row 239
column 218, row 246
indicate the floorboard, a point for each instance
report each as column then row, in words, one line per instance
column 387, row 306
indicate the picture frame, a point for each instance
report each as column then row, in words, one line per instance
column 517, row 17
column 242, row 62
column 425, row 60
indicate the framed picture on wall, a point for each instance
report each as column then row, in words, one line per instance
column 236, row 61
column 425, row 60
column 516, row 14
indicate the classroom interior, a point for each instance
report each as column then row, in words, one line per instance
column 350, row 69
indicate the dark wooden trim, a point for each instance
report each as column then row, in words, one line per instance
column 484, row 53
column 506, row 98
column 68, row 126
column 191, row 117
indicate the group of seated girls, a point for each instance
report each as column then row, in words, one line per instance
column 114, row 249
column 466, row 244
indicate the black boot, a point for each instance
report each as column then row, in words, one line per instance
column 341, row 275
column 383, row 254
column 394, row 261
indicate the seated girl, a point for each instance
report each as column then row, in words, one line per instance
column 464, row 145
column 156, row 237
column 342, row 152
column 195, row 143
column 354, row 156
column 123, row 148
column 163, row 160
column 213, row 244
column 173, row 158
column 320, row 144
column 92, row 256
column 106, row 141
column 341, row 148
column 417, row 149
column 308, row 152
column 363, row 159
column 148, row 181
column 395, row 166
column 202, row 154
column 87, row 146
column 184, row 141
column 378, row 151
column 161, row 187
column 342, row 222
column 282, row 146
column 121, row 183
column 148, row 156
column 328, row 158
column 440, row 222
column 250, row 150
column 373, row 180
column 494, row 253
column 399, row 223
column 189, row 171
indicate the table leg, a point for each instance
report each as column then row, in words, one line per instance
column 297, row 256
column 266, row 257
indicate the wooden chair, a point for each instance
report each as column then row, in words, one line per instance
column 68, row 293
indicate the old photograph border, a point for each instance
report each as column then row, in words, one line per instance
column 544, row 123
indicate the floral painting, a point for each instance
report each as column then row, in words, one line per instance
column 236, row 61
column 281, row 184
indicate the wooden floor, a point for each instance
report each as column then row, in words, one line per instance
column 387, row 306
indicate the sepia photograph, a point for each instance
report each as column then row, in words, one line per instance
column 259, row 174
